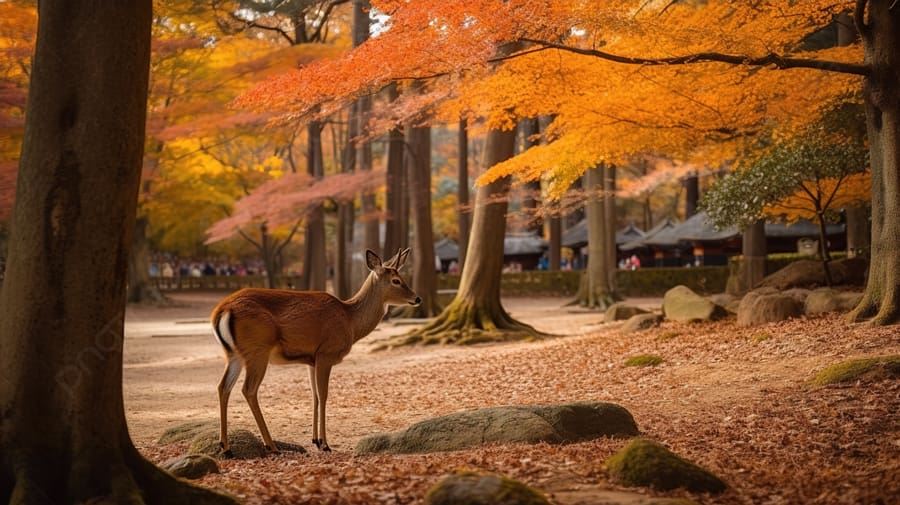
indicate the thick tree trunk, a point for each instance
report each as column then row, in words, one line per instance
column 880, row 303
column 476, row 314
column 63, row 437
column 424, row 278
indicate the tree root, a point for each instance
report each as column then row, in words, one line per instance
column 465, row 323
column 874, row 312
column 131, row 480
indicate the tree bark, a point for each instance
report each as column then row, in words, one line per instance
column 315, row 263
column 140, row 289
column 395, row 228
column 371, row 239
column 880, row 304
column 462, row 193
column 424, row 278
column 858, row 243
column 753, row 250
column 63, row 437
column 595, row 291
column 476, row 313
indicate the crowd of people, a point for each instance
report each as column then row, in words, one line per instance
column 178, row 267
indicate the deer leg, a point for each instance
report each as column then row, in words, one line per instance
column 256, row 370
column 323, row 373
column 315, row 403
column 232, row 371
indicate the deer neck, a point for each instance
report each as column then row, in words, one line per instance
column 367, row 307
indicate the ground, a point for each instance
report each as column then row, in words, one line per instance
column 737, row 401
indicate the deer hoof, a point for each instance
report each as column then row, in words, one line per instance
column 317, row 442
column 228, row 454
column 273, row 451
column 325, row 448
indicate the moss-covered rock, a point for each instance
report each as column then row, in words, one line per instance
column 191, row 466
column 517, row 424
column 878, row 368
column 644, row 360
column 644, row 463
column 482, row 489
column 244, row 445
column 187, row 431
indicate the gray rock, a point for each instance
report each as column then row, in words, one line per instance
column 829, row 300
column 517, row 424
column 191, row 466
column 641, row 322
column 683, row 305
column 482, row 489
column 621, row 311
column 767, row 305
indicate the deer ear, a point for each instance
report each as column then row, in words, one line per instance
column 372, row 260
column 401, row 258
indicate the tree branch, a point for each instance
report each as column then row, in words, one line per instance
column 249, row 239
column 772, row 59
column 287, row 240
column 859, row 18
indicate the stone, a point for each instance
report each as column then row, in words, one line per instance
column 186, row 431
column 767, row 305
column 190, row 466
column 244, row 445
column 640, row 322
column 683, row 305
column 824, row 300
column 644, row 463
column 622, row 311
column 482, row 489
column 555, row 424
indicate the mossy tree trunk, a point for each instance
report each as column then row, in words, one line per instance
column 63, row 437
column 880, row 32
column 476, row 313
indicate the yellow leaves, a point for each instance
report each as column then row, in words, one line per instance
column 852, row 191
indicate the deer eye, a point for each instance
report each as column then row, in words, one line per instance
column 395, row 282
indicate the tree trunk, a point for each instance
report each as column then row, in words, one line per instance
column 371, row 239
column 424, row 278
column 609, row 219
column 691, row 194
column 462, row 193
column 140, row 289
column 555, row 243
column 315, row 263
column 595, row 291
column 880, row 303
column 753, row 249
column 394, row 236
column 823, row 247
column 858, row 244
column 476, row 313
column 63, row 437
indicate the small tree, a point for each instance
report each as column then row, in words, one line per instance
column 807, row 176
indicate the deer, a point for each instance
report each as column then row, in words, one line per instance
column 258, row 326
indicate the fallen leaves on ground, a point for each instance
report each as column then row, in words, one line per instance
column 737, row 401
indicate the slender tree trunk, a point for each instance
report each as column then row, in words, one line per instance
column 753, row 249
column 140, row 288
column 63, row 437
column 462, row 193
column 691, row 194
column 555, row 243
column 371, row 239
column 315, row 263
column 823, row 247
column 394, row 238
column 476, row 314
column 858, row 243
column 880, row 303
column 424, row 278
column 609, row 218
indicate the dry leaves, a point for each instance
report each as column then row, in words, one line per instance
column 734, row 400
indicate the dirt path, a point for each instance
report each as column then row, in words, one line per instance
column 735, row 400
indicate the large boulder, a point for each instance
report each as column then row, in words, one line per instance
column 644, row 463
column 482, row 489
column 768, row 305
column 573, row 422
column 811, row 274
column 830, row 300
column 682, row 304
